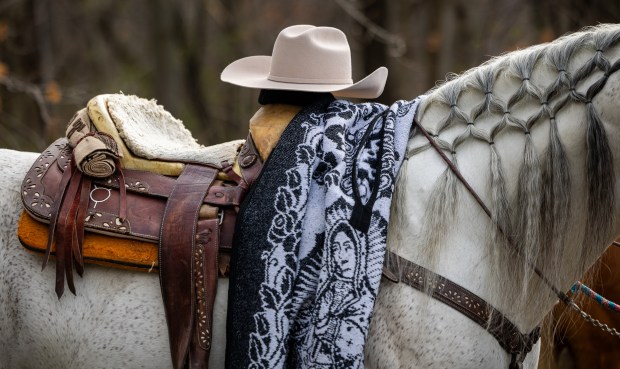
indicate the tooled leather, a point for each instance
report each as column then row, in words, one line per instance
column 34, row 195
column 146, row 194
column 466, row 302
column 63, row 230
column 53, row 207
column 225, row 195
column 177, row 244
column 150, row 200
column 206, row 274
column 79, row 224
column 206, row 238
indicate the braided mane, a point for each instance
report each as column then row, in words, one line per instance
column 537, row 83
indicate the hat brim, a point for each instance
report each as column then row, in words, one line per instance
column 253, row 72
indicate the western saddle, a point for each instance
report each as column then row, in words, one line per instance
column 119, row 192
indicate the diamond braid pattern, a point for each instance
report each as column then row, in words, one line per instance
column 552, row 99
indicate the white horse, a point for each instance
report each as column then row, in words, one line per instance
column 535, row 145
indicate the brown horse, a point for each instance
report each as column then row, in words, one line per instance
column 576, row 344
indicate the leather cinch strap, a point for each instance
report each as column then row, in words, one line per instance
column 180, row 240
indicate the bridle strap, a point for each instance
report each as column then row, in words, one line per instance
column 515, row 343
column 466, row 302
column 561, row 295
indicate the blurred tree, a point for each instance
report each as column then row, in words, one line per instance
column 56, row 55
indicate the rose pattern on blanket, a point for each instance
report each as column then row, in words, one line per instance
column 321, row 274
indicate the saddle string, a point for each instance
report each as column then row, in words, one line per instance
column 55, row 212
column 66, row 228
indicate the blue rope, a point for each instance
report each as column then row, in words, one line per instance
column 580, row 287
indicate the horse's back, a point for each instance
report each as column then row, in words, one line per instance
column 13, row 168
column 116, row 321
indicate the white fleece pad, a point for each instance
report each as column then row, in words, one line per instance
column 151, row 132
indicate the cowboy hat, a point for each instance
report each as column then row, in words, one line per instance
column 306, row 58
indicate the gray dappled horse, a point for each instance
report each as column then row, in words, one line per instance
column 534, row 132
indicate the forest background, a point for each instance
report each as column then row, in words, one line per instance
column 57, row 54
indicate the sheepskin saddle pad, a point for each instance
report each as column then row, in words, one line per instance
column 149, row 137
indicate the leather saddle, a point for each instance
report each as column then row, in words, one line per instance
column 181, row 223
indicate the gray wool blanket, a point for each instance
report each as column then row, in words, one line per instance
column 311, row 236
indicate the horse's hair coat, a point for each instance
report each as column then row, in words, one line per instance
column 477, row 121
column 534, row 216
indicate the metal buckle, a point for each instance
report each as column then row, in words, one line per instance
column 220, row 216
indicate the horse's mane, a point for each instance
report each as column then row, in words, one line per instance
column 535, row 216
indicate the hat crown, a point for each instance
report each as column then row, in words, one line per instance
column 309, row 54
column 306, row 58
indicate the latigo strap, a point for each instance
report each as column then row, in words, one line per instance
column 177, row 245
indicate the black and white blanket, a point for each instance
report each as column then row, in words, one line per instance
column 311, row 238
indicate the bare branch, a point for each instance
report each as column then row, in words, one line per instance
column 31, row 89
column 397, row 44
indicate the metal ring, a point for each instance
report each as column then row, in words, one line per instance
column 98, row 201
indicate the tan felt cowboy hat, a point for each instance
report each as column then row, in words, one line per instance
column 306, row 58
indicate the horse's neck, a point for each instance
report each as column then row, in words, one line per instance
column 464, row 254
column 267, row 125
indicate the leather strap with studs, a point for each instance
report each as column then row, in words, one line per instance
column 399, row 269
